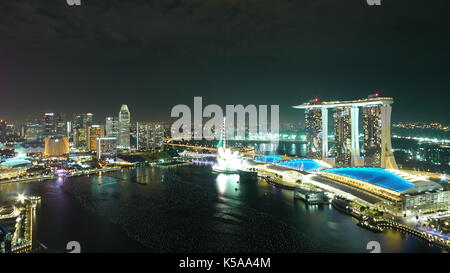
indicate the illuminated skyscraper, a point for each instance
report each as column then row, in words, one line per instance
column 80, row 138
column 150, row 134
column 95, row 131
column 343, row 135
column 83, row 120
column 106, row 147
column 112, row 127
column 124, row 127
column 316, row 132
column 54, row 124
column 80, row 130
column 34, row 130
column 377, row 136
column 377, row 131
column 3, row 125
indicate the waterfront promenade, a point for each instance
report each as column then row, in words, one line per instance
column 52, row 176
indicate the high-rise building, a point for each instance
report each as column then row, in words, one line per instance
column 3, row 129
column 124, row 128
column 372, row 135
column 49, row 124
column 106, row 147
column 377, row 131
column 80, row 130
column 377, row 136
column 34, row 130
column 314, row 132
column 54, row 124
column 342, row 136
column 61, row 124
column 80, row 138
column 83, row 120
column 149, row 134
column 112, row 127
column 94, row 132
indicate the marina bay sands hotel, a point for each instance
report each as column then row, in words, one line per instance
column 377, row 148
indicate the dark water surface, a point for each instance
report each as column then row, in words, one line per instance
column 191, row 209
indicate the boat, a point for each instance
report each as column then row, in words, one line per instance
column 313, row 197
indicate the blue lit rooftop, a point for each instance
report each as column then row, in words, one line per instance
column 302, row 164
column 270, row 159
column 17, row 161
column 375, row 176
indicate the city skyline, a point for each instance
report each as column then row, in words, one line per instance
column 214, row 130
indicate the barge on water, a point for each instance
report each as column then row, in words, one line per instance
column 312, row 197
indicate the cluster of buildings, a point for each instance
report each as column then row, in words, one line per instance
column 422, row 125
column 376, row 148
column 56, row 134
column 356, row 163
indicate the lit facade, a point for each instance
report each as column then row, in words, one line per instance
column 34, row 130
column 112, row 127
column 3, row 129
column 95, row 131
column 149, row 135
column 124, row 127
column 372, row 136
column 80, row 130
column 83, row 120
column 314, row 133
column 54, row 124
column 377, row 132
column 342, row 136
column 80, row 138
column 56, row 146
column 106, row 147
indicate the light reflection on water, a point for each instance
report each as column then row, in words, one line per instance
column 227, row 183
column 191, row 209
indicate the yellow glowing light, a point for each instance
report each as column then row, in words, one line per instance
column 21, row 197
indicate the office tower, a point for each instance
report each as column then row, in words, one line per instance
column 112, row 127
column 106, row 147
column 94, row 132
column 80, row 130
column 34, row 130
column 49, row 124
column 54, row 124
column 149, row 135
column 69, row 129
column 83, row 120
column 124, row 128
column 61, row 124
column 77, row 121
column 3, row 129
column 80, row 138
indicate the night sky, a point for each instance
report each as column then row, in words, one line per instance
column 155, row 54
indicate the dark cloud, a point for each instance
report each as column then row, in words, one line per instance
column 157, row 53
